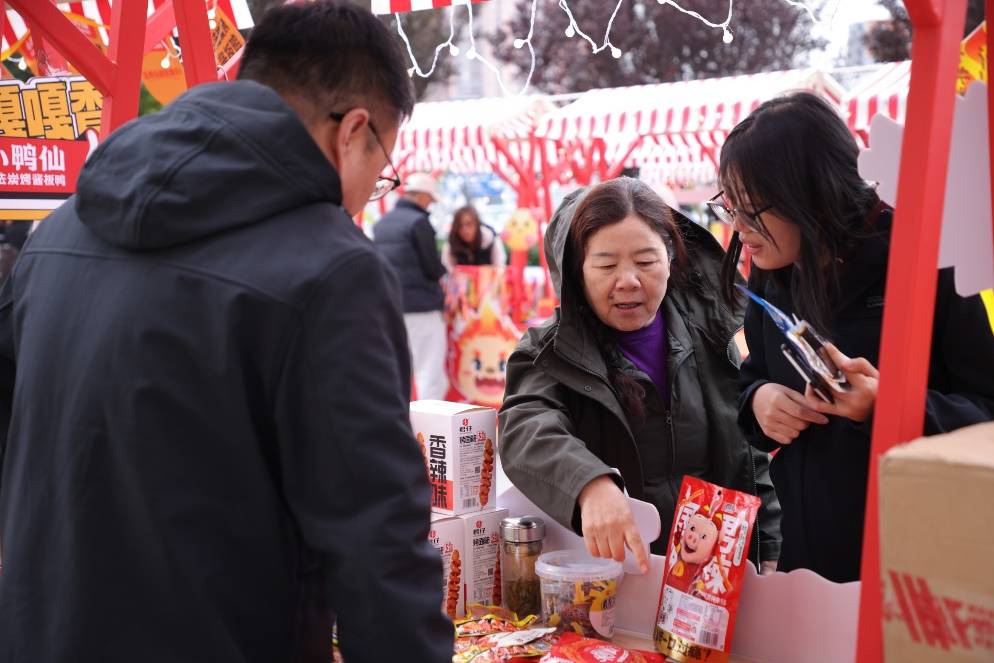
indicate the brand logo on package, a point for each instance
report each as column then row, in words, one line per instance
column 465, row 422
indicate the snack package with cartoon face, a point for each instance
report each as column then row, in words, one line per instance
column 478, row 362
column 705, row 566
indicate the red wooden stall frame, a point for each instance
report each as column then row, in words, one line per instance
column 912, row 270
column 912, row 273
column 118, row 74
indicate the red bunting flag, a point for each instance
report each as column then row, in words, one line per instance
column 397, row 6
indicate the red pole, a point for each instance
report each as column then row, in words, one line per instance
column 195, row 38
column 912, row 274
column 127, row 37
column 57, row 30
column 159, row 25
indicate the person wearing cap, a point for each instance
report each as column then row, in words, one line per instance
column 406, row 239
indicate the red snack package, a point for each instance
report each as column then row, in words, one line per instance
column 573, row 648
column 705, row 565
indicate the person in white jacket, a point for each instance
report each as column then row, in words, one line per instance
column 472, row 242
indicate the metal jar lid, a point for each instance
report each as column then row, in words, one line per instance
column 522, row 530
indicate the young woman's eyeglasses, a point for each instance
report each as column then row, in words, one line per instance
column 727, row 214
column 384, row 185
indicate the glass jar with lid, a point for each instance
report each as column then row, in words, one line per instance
column 521, row 545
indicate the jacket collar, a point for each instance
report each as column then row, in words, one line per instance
column 576, row 343
column 404, row 203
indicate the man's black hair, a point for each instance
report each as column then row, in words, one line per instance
column 331, row 55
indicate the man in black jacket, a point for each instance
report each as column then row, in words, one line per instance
column 206, row 452
column 406, row 238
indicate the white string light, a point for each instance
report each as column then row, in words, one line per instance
column 473, row 53
column 726, row 34
column 572, row 30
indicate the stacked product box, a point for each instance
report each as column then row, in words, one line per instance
column 459, row 445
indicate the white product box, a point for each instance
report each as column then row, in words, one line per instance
column 448, row 535
column 482, row 532
column 459, row 443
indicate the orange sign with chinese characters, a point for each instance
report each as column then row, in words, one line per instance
column 162, row 68
column 53, row 108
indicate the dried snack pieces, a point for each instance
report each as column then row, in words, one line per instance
column 454, row 586
column 579, row 592
column 486, row 472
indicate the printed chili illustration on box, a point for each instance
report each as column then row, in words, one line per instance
column 460, row 446
column 705, row 565
column 448, row 537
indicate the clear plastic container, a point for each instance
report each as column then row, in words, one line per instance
column 521, row 546
column 579, row 592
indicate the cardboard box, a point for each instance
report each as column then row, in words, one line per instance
column 448, row 535
column 459, row 443
column 937, row 547
column 482, row 578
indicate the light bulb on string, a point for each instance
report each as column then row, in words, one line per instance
column 572, row 30
column 165, row 62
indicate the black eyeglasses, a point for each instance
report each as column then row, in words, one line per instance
column 384, row 185
column 727, row 214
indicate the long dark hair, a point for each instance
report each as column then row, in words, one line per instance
column 796, row 154
column 456, row 243
column 604, row 205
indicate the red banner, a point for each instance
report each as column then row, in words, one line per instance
column 28, row 165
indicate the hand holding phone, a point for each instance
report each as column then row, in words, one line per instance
column 857, row 402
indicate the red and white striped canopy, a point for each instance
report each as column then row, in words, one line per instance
column 680, row 124
column 885, row 92
column 398, row 6
column 98, row 14
column 457, row 136
column 684, row 107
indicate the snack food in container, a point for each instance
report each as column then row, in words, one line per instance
column 579, row 592
column 521, row 546
column 705, row 566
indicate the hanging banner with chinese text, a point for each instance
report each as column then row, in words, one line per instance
column 53, row 108
column 36, row 176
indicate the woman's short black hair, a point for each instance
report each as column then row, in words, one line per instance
column 795, row 154
column 332, row 54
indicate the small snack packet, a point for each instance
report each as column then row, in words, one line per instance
column 705, row 565
column 573, row 648
column 490, row 624
column 530, row 643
